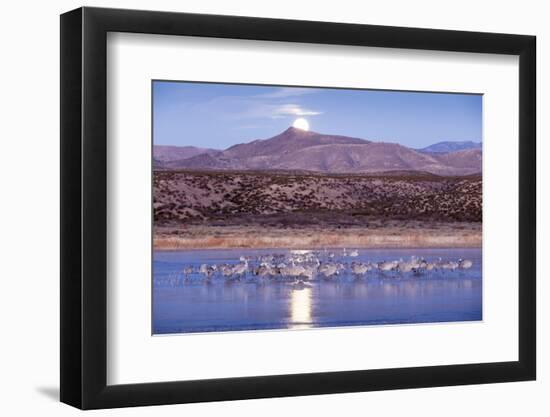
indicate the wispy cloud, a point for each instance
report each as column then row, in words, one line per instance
column 259, row 110
column 272, row 105
column 285, row 92
column 292, row 110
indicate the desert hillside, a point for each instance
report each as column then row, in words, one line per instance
column 225, row 198
column 451, row 146
column 167, row 154
column 296, row 149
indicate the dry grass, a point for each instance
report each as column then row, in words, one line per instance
column 195, row 210
column 441, row 236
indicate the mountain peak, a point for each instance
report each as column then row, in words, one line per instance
column 301, row 150
column 296, row 131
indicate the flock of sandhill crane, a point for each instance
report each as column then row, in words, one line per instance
column 305, row 266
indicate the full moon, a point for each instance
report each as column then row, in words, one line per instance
column 301, row 124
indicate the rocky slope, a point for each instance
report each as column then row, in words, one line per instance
column 163, row 154
column 450, row 146
column 243, row 197
column 298, row 150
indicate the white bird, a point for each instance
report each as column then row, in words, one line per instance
column 405, row 266
column 266, row 258
column 387, row 265
column 415, row 262
column 225, row 269
column 360, row 268
column 207, row 270
column 449, row 265
column 306, row 265
column 292, row 270
column 240, row 269
column 465, row 264
column 308, row 272
column 265, row 269
column 328, row 270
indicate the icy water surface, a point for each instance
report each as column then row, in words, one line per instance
column 188, row 300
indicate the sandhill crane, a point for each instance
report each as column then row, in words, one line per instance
column 360, row 268
column 465, row 263
column 451, row 265
column 300, row 266
column 385, row 266
column 207, row 270
column 308, row 272
column 266, row 258
column 405, row 266
column 240, row 269
column 265, row 269
column 328, row 270
column 188, row 270
column 226, row 270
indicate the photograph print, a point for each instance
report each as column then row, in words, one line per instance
column 283, row 207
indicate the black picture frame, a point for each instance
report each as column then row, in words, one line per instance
column 84, row 207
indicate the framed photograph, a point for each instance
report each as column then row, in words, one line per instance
column 256, row 208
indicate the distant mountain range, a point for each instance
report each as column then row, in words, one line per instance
column 299, row 150
column 444, row 147
column 175, row 153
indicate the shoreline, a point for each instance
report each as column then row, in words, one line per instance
column 311, row 239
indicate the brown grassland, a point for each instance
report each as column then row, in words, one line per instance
column 195, row 210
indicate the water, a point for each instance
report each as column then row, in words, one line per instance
column 189, row 303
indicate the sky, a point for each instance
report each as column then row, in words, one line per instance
column 215, row 115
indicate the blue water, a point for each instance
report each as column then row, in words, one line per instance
column 189, row 304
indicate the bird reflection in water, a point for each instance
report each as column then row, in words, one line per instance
column 278, row 290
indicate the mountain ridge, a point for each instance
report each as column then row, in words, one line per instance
column 450, row 146
column 297, row 150
column 164, row 153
